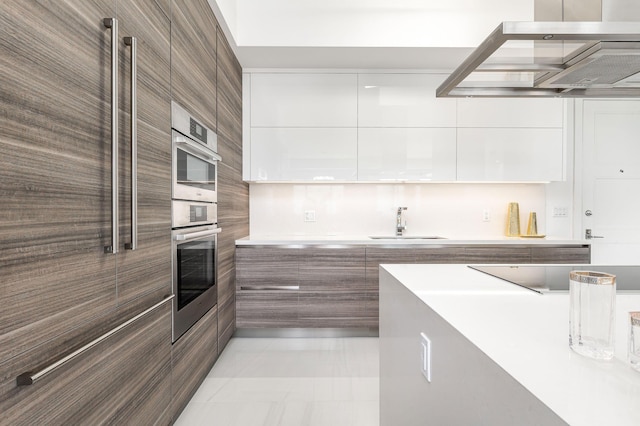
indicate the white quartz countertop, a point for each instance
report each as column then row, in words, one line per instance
column 527, row 335
column 408, row 240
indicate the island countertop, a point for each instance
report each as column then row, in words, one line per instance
column 526, row 334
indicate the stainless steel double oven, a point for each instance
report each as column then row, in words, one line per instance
column 194, row 219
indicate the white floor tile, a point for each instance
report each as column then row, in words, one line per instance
column 295, row 381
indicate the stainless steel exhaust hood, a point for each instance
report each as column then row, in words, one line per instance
column 552, row 59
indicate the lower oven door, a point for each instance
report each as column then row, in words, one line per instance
column 195, row 259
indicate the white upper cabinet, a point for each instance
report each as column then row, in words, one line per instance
column 315, row 127
column 510, row 112
column 403, row 100
column 510, row 154
column 413, row 154
column 304, row 154
column 304, row 100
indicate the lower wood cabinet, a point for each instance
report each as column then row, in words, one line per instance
column 337, row 286
column 125, row 379
column 192, row 356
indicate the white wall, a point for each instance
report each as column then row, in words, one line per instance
column 448, row 210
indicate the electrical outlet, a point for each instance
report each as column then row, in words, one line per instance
column 486, row 215
column 425, row 356
column 309, row 215
column 560, row 211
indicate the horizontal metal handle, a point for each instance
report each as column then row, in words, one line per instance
column 200, row 152
column 30, row 378
column 194, row 235
column 270, row 287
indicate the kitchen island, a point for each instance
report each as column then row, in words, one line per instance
column 499, row 354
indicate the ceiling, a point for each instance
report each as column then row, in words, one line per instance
column 361, row 34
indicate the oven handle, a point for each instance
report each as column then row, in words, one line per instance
column 202, row 153
column 195, row 235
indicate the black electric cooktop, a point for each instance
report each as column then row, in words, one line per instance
column 554, row 278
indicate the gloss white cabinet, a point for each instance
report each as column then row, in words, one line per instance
column 415, row 154
column 304, row 154
column 303, row 100
column 510, row 112
column 403, row 100
column 510, row 154
column 314, row 127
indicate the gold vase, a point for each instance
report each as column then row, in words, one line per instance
column 513, row 220
column 532, row 226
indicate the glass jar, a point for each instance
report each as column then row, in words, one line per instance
column 591, row 319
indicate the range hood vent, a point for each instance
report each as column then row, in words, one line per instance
column 551, row 59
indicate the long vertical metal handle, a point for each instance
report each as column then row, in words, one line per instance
column 113, row 24
column 131, row 41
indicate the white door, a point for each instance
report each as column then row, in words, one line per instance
column 611, row 180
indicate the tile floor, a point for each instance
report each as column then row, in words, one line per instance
column 290, row 381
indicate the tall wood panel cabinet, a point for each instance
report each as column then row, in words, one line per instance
column 59, row 289
column 193, row 58
column 233, row 194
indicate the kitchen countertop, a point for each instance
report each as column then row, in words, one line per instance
column 526, row 334
column 288, row 240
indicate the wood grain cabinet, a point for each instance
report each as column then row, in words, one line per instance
column 59, row 288
column 332, row 282
column 125, row 379
column 337, row 287
column 233, row 193
column 267, row 287
column 193, row 59
column 192, row 356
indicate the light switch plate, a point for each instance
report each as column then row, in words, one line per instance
column 425, row 356
column 309, row 215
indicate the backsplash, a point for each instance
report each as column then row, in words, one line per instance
column 448, row 210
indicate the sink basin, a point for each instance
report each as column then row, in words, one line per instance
column 408, row 237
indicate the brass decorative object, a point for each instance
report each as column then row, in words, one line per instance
column 513, row 220
column 532, row 226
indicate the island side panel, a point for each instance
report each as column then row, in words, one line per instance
column 466, row 386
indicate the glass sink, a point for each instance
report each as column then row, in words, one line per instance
column 408, row 237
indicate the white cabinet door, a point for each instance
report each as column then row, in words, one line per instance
column 510, row 155
column 303, row 154
column 403, row 100
column 303, row 100
column 521, row 112
column 414, row 154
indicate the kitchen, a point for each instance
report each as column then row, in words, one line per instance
column 94, row 292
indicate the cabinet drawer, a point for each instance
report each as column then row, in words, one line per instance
column 332, row 269
column 497, row 255
column 267, row 308
column 266, row 266
column 561, row 255
column 332, row 309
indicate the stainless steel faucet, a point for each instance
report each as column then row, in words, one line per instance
column 400, row 227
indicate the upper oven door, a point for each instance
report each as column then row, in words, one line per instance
column 194, row 170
